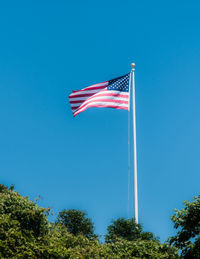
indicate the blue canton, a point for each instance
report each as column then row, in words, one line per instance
column 119, row 84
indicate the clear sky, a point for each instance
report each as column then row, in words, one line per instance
column 49, row 48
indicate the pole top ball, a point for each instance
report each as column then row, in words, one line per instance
column 132, row 65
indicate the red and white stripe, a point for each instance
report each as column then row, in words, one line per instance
column 98, row 96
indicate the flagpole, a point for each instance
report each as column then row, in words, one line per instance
column 134, row 145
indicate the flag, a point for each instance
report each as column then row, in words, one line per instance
column 113, row 94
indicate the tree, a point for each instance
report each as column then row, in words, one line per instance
column 29, row 216
column 77, row 223
column 26, row 233
column 127, row 229
column 123, row 248
column 187, row 222
column 22, row 223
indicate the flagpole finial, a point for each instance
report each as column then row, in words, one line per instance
column 133, row 65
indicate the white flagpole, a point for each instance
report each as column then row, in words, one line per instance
column 129, row 150
column 134, row 145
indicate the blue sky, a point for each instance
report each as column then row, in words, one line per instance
column 48, row 49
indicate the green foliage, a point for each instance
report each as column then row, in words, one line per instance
column 127, row 229
column 187, row 222
column 77, row 223
column 27, row 214
column 21, row 222
column 142, row 249
column 26, row 233
column 4, row 188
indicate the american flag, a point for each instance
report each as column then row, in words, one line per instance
column 113, row 94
